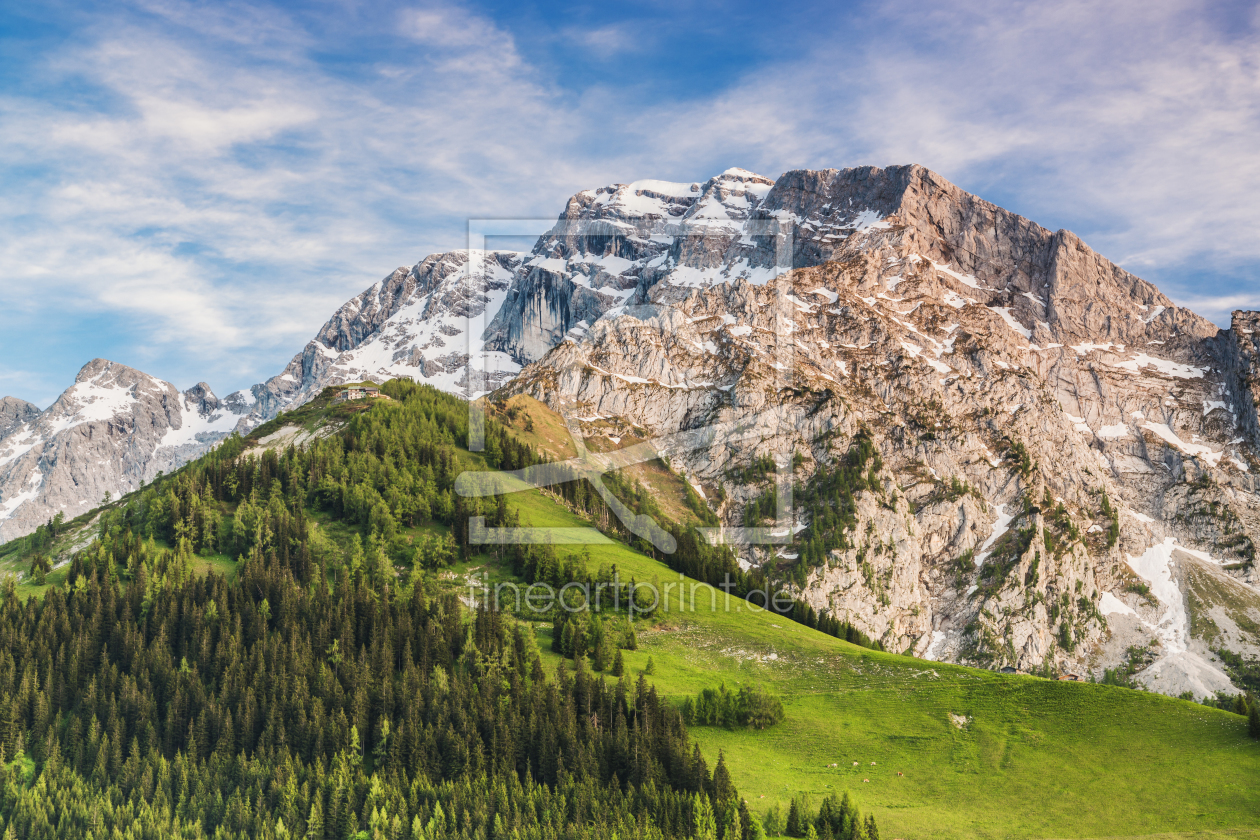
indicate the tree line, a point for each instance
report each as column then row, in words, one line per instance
column 329, row 690
column 264, row 707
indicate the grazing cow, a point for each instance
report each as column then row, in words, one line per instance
column 872, row 764
column 855, row 764
column 901, row 774
column 866, row 780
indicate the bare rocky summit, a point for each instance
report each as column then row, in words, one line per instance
column 413, row 323
column 15, row 412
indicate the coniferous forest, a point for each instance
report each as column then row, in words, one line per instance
column 329, row 689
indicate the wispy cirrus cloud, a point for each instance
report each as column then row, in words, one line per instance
column 1133, row 124
column 217, row 178
column 223, row 207
column 1136, row 119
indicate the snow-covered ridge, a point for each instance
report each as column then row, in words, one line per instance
column 109, row 432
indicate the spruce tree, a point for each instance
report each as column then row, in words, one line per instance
column 745, row 820
column 703, row 826
column 723, row 787
column 773, row 822
column 755, row 829
column 731, row 829
column 794, row 820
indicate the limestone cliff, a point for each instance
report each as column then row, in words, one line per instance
column 1044, row 418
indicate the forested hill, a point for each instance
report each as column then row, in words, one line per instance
column 319, row 681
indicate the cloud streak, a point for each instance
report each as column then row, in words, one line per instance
column 221, row 177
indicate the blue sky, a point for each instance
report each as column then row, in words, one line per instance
column 191, row 188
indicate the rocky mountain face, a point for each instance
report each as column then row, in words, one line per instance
column 110, row 432
column 1059, row 443
column 611, row 245
column 1059, row 462
column 606, row 250
column 15, row 412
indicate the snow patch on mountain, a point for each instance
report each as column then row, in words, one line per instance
column 1177, row 661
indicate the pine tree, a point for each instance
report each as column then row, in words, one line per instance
column 723, row 787
column 794, row 820
column 773, row 822
column 1253, row 721
column 619, row 665
column 755, row 829
column 702, row 823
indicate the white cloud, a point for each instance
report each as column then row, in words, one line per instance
column 1141, row 118
column 1219, row 308
column 453, row 28
column 1134, row 124
column 607, row 41
column 227, row 206
column 197, row 170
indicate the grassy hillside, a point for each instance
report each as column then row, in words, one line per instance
column 1031, row 758
column 983, row 754
column 941, row 751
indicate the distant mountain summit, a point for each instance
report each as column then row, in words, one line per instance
column 110, row 432
column 15, row 412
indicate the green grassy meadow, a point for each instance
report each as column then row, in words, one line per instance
column 1029, row 758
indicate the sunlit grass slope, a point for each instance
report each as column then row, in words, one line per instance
column 1021, row 756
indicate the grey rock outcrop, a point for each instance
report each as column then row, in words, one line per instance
column 406, row 325
column 15, row 412
column 613, row 244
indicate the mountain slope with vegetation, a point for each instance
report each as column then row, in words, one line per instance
column 270, row 643
column 1063, row 459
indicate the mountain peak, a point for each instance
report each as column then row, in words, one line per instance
column 110, row 371
column 737, row 174
column 14, row 412
column 93, row 369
